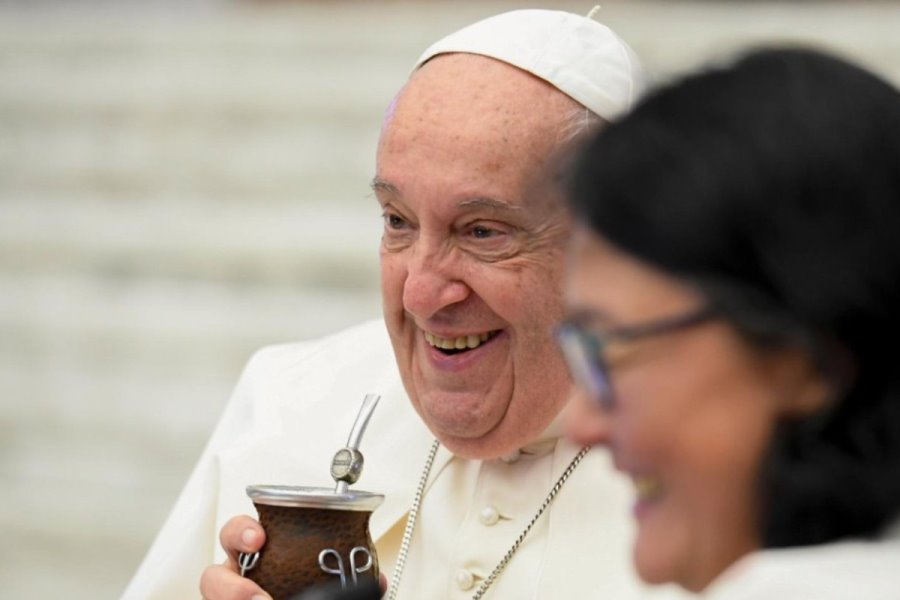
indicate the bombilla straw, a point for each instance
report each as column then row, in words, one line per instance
column 359, row 428
column 362, row 420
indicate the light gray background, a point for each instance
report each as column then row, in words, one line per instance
column 181, row 183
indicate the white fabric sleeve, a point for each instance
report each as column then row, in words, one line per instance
column 188, row 540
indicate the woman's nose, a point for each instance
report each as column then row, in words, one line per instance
column 586, row 422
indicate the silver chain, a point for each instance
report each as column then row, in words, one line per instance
column 414, row 513
column 411, row 522
column 547, row 502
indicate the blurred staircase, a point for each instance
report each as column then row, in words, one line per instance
column 178, row 188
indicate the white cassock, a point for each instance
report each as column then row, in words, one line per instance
column 294, row 407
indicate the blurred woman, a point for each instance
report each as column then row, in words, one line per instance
column 733, row 303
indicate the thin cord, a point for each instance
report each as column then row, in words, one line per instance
column 411, row 523
column 547, row 502
column 414, row 513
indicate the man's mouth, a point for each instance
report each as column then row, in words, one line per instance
column 459, row 344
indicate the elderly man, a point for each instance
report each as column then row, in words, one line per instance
column 471, row 260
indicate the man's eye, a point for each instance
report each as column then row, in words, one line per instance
column 489, row 240
column 394, row 221
column 481, row 232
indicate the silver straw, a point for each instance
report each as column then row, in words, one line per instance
column 359, row 428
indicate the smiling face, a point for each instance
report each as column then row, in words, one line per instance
column 473, row 250
column 694, row 412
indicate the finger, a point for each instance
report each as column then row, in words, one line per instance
column 241, row 534
column 218, row 582
column 383, row 583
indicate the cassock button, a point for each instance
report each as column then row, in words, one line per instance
column 489, row 516
column 465, row 580
column 511, row 457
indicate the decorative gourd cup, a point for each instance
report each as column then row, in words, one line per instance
column 316, row 536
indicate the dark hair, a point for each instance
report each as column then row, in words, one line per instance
column 773, row 185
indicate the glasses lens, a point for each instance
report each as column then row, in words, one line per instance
column 582, row 353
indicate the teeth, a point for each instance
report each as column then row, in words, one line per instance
column 459, row 343
column 647, row 487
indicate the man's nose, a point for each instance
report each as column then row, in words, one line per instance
column 586, row 422
column 434, row 281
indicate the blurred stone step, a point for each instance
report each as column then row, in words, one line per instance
column 304, row 245
column 318, row 86
column 142, row 159
column 672, row 37
column 42, row 310
column 130, row 403
column 69, row 458
column 182, row 182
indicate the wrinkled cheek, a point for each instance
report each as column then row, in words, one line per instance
column 393, row 280
column 637, row 437
column 393, row 277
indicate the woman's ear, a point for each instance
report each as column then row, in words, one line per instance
column 804, row 388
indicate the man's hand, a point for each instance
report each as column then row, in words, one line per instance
column 224, row 582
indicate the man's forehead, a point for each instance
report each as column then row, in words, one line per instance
column 390, row 110
column 481, row 73
column 472, row 87
column 387, row 189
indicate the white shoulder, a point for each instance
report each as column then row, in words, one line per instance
column 836, row 571
column 357, row 341
column 306, row 374
column 364, row 344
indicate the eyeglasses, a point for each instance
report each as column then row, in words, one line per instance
column 583, row 349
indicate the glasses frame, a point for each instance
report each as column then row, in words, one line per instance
column 583, row 349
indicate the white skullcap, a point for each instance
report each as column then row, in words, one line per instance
column 575, row 54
